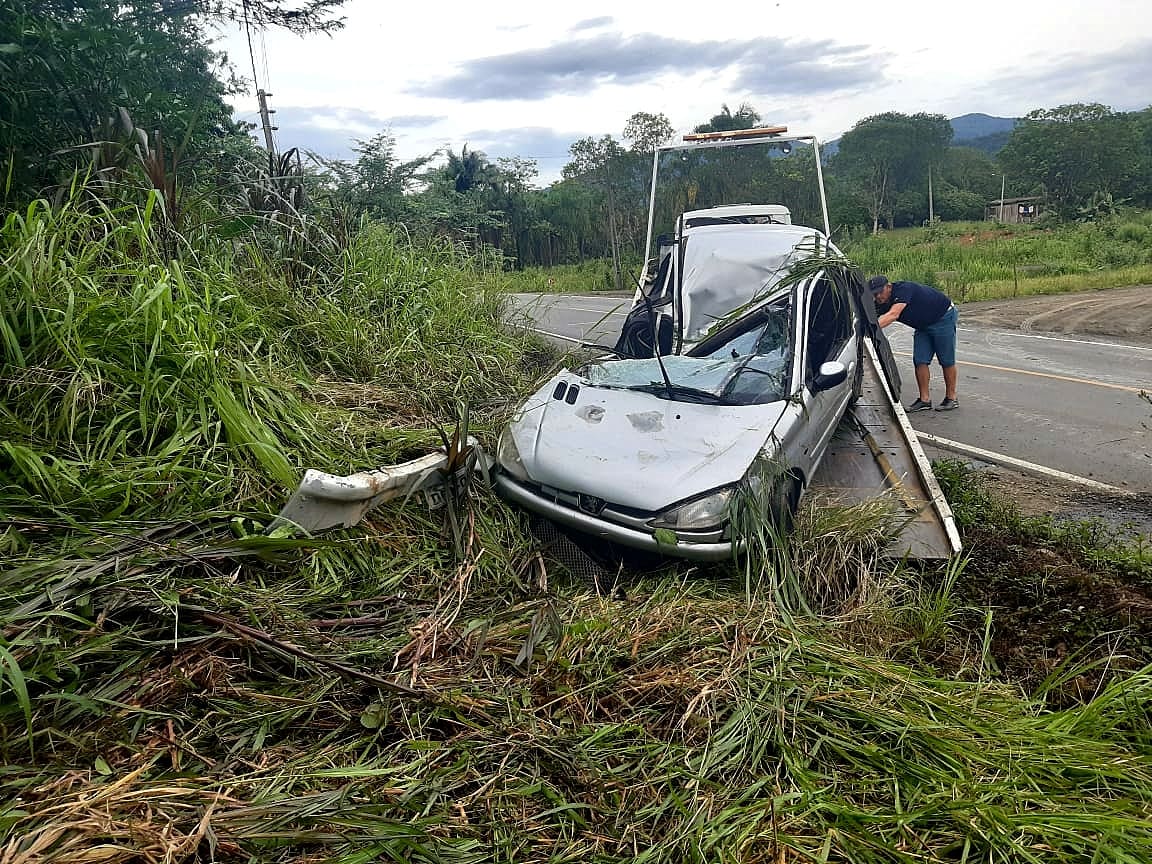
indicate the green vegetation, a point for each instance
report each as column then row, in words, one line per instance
column 70, row 66
column 968, row 260
column 174, row 683
column 585, row 278
column 1072, row 596
column 84, row 77
column 180, row 684
column 886, row 155
column 1095, row 545
column 129, row 378
column 979, row 261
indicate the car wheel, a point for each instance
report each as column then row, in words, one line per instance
column 858, row 378
column 784, row 502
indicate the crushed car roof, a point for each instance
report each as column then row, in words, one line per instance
column 729, row 267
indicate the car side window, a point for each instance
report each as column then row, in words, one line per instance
column 845, row 326
column 829, row 325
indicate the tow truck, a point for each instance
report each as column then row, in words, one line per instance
column 873, row 452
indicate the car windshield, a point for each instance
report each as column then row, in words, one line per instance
column 748, row 364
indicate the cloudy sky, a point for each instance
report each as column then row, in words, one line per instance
column 528, row 78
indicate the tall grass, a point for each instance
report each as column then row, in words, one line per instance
column 138, row 386
column 969, row 260
column 177, row 686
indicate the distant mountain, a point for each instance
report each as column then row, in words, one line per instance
column 969, row 127
column 982, row 131
column 990, row 144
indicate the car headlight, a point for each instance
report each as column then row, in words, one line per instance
column 707, row 511
column 508, row 457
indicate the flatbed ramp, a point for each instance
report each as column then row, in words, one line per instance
column 875, row 448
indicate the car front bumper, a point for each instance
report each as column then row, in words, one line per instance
column 693, row 550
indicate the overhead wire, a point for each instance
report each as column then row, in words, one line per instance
column 267, row 79
column 251, row 53
column 263, row 63
column 264, row 60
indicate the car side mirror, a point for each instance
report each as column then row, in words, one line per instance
column 830, row 375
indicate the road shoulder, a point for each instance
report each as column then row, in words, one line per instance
column 1116, row 314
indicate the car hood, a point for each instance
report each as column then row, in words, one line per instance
column 633, row 448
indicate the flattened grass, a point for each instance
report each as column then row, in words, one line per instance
column 683, row 723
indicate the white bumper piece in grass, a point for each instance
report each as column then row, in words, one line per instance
column 324, row 501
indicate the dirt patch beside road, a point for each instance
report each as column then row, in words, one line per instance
column 1059, row 594
column 1129, row 515
column 1124, row 314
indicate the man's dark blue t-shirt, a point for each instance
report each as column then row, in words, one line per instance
column 925, row 305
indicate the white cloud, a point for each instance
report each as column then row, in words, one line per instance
column 542, row 76
column 576, row 66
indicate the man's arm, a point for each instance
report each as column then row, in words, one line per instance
column 891, row 315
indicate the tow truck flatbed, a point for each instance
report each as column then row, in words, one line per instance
column 875, row 452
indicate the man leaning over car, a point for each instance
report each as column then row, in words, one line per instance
column 933, row 316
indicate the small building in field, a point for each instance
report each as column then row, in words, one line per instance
column 1013, row 210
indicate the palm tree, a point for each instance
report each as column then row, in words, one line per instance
column 470, row 169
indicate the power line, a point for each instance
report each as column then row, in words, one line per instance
column 264, row 60
column 251, row 53
column 267, row 83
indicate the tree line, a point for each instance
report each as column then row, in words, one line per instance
column 132, row 91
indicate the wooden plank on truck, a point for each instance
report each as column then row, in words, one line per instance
column 737, row 134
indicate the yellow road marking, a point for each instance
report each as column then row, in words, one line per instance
column 1041, row 374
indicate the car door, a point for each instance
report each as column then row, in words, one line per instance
column 829, row 335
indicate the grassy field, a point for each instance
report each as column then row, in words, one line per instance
column 587, row 278
column 983, row 261
column 178, row 686
column 968, row 260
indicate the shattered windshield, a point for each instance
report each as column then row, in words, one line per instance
column 728, row 269
column 746, row 365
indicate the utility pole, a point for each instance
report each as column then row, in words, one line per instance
column 931, row 213
column 266, row 122
column 1003, row 180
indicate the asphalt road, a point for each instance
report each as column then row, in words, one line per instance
column 1062, row 402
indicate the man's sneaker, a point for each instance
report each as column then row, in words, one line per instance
column 947, row 404
column 919, row 405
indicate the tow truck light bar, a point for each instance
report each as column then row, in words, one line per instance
column 758, row 132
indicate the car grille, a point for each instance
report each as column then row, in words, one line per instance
column 590, row 504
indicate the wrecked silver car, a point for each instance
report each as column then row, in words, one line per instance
column 737, row 362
